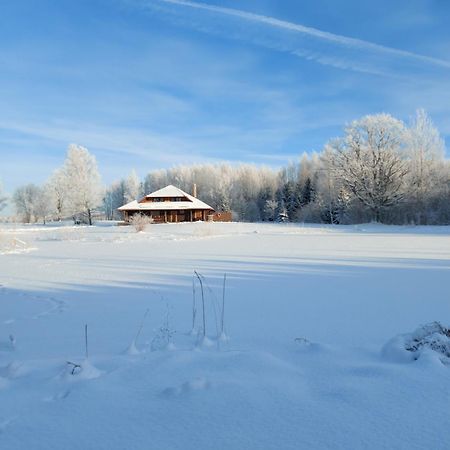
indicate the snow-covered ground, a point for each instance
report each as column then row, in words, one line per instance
column 308, row 310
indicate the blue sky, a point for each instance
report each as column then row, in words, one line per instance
column 147, row 84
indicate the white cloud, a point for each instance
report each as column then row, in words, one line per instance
column 309, row 43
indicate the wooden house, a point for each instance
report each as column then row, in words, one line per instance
column 169, row 204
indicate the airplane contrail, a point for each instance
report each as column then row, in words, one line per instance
column 324, row 37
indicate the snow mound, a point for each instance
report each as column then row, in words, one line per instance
column 432, row 337
column 305, row 345
column 206, row 342
column 84, row 370
column 197, row 384
column 8, row 346
column 132, row 349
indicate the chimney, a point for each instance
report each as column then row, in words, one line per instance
column 194, row 190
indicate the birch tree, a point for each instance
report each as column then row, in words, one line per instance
column 58, row 192
column 25, row 199
column 132, row 187
column 83, row 181
column 42, row 206
column 426, row 150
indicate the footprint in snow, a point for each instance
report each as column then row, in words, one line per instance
column 58, row 396
column 58, row 306
column 13, row 370
column 198, row 384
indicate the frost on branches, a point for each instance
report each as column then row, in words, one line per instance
column 369, row 162
column 140, row 222
column 381, row 169
column 82, row 180
column 2, row 198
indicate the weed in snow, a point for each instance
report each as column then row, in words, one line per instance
column 132, row 348
column 9, row 345
column 164, row 335
column 82, row 370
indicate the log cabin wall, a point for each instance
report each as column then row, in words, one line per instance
column 223, row 216
column 172, row 216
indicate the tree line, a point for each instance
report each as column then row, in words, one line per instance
column 380, row 169
column 74, row 190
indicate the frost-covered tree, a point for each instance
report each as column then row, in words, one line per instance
column 42, row 207
column 25, row 199
column 3, row 199
column 83, row 181
column 270, row 210
column 306, row 178
column 426, row 151
column 377, row 170
column 156, row 180
column 115, row 196
column 58, row 192
column 369, row 161
column 132, row 187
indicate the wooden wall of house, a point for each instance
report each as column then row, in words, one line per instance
column 223, row 216
column 172, row 216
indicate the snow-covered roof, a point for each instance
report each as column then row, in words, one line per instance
column 167, row 192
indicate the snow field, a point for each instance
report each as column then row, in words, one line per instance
column 308, row 311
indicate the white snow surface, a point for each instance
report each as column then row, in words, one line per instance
column 302, row 363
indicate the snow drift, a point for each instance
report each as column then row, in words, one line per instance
column 432, row 337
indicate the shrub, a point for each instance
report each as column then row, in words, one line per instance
column 140, row 221
column 433, row 338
